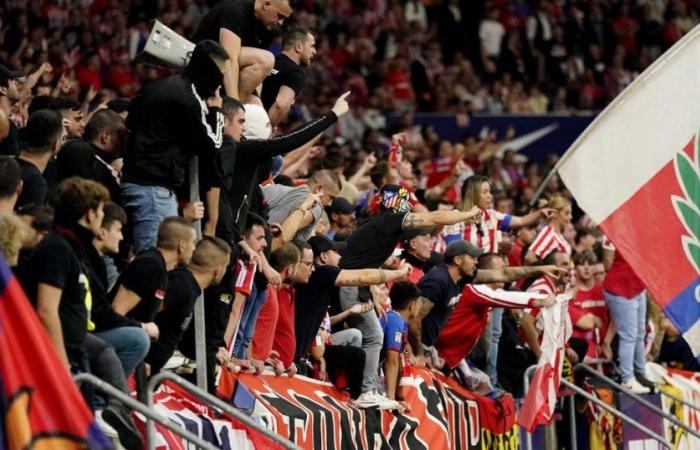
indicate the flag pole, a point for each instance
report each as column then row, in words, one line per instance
column 636, row 85
column 199, row 322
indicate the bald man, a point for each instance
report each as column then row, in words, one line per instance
column 244, row 28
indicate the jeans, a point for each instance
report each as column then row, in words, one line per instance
column 351, row 337
column 629, row 315
column 105, row 365
column 496, row 326
column 130, row 343
column 372, row 337
column 251, row 309
column 146, row 207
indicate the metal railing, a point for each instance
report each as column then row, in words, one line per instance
column 637, row 398
column 572, row 414
column 139, row 407
column 210, row 400
column 616, row 413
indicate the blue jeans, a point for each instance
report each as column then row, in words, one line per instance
column 130, row 343
column 496, row 326
column 629, row 315
column 351, row 337
column 146, row 207
column 251, row 309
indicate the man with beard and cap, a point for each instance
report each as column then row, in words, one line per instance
column 244, row 28
column 98, row 156
column 169, row 121
column 287, row 78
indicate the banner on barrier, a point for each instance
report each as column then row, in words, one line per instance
column 315, row 415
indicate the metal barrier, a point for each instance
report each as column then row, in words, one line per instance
column 616, row 413
column 143, row 409
column 637, row 398
column 212, row 401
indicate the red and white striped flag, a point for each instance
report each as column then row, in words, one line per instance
column 541, row 398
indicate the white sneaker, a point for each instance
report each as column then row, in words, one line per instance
column 367, row 400
column 635, row 387
column 373, row 399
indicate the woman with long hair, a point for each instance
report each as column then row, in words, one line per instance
column 487, row 232
column 551, row 237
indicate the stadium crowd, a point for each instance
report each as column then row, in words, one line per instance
column 334, row 244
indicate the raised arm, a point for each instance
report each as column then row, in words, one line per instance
column 437, row 218
column 533, row 217
column 509, row 274
column 368, row 277
column 257, row 150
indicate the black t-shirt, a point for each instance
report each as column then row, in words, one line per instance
column 438, row 287
column 175, row 317
column 286, row 73
column 147, row 276
column 237, row 16
column 373, row 242
column 54, row 262
column 311, row 305
column 34, row 186
column 10, row 145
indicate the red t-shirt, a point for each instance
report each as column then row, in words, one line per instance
column 621, row 279
column 592, row 302
column 285, row 340
column 515, row 257
column 264, row 326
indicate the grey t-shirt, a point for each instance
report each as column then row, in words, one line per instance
column 282, row 200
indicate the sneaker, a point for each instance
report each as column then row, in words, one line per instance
column 367, row 400
column 129, row 437
column 176, row 361
column 385, row 403
column 644, row 381
column 635, row 387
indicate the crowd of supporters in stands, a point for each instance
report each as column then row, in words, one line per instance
column 339, row 241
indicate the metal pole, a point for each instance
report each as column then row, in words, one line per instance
column 200, row 337
column 141, row 408
column 214, row 401
column 678, row 399
column 526, row 388
column 638, row 399
column 572, row 423
column 617, row 413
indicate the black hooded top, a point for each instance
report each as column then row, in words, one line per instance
column 169, row 121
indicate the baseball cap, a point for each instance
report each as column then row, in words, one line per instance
column 7, row 74
column 118, row 105
column 462, row 247
column 340, row 205
column 408, row 235
column 321, row 244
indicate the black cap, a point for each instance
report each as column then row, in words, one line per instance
column 340, row 205
column 321, row 244
column 408, row 235
column 462, row 247
column 7, row 74
column 118, row 105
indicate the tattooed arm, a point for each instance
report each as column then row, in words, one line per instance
column 437, row 218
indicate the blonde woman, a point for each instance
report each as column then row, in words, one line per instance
column 551, row 237
column 487, row 232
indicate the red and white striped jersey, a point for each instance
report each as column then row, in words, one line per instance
column 245, row 275
column 488, row 233
column 547, row 241
column 470, row 317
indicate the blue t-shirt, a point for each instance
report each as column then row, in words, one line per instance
column 395, row 332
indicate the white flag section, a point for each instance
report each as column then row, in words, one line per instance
column 538, row 406
column 636, row 172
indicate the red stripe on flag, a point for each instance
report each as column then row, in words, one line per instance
column 647, row 232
